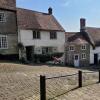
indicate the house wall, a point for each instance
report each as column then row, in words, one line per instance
column 26, row 37
column 9, row 28
column 12, row 45
column 69, row 55
column 92, row 52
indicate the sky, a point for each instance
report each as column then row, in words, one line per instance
column 68, row 12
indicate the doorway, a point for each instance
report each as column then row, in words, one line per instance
column 95, row 59
column 29, row 53
column 76, row 60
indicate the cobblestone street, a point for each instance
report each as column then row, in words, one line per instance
column 21, row 82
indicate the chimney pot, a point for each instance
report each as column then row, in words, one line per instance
column 50, row 11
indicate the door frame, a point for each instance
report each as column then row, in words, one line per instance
column 29, row 54
column 78, row 60
column 96, row 59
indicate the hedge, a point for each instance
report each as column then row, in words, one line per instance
column 46, row 57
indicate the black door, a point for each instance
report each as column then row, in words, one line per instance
column 29, row 53
column 96, row 59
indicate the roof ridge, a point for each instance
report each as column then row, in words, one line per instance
column 94, row 27
column 32, row 10
column 37, row 20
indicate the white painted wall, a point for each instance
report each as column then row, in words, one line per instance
column 26, row 37
column 92, row 52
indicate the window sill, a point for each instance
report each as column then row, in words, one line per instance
column 83, row 49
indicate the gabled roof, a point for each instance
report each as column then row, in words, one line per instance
column 28, row 19
column 79, row 40
column 91, row 34
column 8, row 4
column 94, row 34
column 81, row 37
column 69, row 34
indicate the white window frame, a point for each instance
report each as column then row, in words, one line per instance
column 50, row 50
column 83, row 47
column 70, row 47
column 1, row 42
column 83, row 56
column 3, row 17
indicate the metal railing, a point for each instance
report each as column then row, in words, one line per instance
column 51, row 85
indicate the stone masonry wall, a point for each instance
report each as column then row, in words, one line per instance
column 9, row 28
column 69, row 58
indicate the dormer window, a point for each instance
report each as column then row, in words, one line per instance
column 83, row 47
column 2, row 17
column 36, row 35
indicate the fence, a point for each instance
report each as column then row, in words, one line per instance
column 53, row 87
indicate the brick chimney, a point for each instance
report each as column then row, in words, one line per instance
column 50, row 11
column 82, row 24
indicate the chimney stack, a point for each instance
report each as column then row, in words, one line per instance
column 82, row 24
column 50, row 11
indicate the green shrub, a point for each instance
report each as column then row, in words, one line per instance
column 46, row 57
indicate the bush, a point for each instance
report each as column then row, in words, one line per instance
column 47, row 57
column 24, row 61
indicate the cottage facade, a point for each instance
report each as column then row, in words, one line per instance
column 95, row 37
column 83, row 48
column 25, row 33
column 40, row 33
column 77, row 51
column 8, row 29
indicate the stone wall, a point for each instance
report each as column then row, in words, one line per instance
column 69, row 55
column 9, row 26
column 12, row 45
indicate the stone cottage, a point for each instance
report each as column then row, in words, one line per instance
column 83, row 48
column 8, row 30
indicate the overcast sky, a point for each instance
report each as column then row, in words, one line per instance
column 67, row 12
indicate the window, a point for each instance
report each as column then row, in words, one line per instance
column 83, row 56
column 36, row 34
column 76, row 57
column 2, row 17
column 83, row 47
column 3, row 42
column 55, row 49
column 47, row 50
column 71, row 48
column 53, row 35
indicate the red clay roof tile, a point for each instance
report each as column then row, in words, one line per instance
column 28, row 19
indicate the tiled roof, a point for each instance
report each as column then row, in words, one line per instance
column 69, row 34
column 79, row 40
column 8, row 4
column 28, row 19
column 75, row 36
column 94, row 34
column 83, row 36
